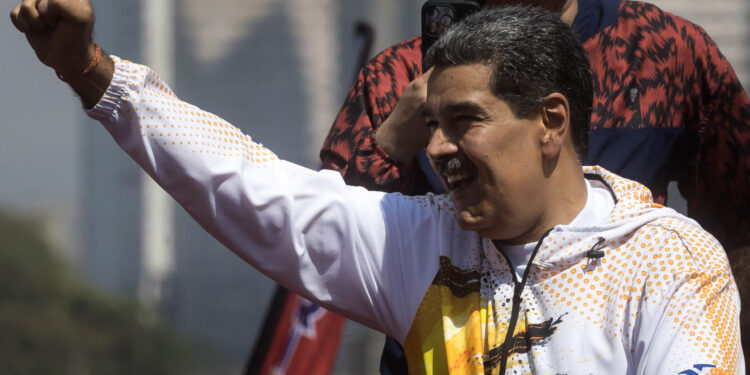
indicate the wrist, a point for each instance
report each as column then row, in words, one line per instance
column 397, row 146
column 91, row 86
column 79, row 63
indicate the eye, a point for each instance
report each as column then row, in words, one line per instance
column 466, row 118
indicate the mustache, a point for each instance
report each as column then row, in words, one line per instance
column 453, row 163
column 446, row 165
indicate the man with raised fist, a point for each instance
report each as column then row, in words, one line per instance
column 530, row 263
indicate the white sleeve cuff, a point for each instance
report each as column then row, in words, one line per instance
column 110, row 101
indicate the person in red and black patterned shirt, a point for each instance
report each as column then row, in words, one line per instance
column 667, row 106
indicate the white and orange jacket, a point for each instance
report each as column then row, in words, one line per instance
column 646, row 291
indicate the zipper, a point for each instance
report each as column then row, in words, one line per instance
column 516, row 304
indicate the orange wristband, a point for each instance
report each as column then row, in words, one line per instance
column 94, row 62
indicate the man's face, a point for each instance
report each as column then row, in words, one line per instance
column 488, row 159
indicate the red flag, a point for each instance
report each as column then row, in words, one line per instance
column 298, row 337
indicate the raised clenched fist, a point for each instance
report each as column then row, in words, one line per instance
column 59, row 31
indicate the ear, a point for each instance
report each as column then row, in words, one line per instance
column 555, row 112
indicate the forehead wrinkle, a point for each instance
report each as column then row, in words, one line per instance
column 466, row 106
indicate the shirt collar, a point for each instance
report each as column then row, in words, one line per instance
column 593, row 16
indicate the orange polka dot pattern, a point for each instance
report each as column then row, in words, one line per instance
column 661, row 300
column 168, row 122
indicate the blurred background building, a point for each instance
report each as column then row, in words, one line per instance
column 277, row 69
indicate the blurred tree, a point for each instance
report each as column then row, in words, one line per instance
column 52, row 323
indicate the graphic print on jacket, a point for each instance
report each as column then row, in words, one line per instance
column 660, row 279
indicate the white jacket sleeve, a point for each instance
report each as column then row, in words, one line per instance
column 338, row 245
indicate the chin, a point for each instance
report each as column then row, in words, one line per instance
column 472, row 223
column 492, row 228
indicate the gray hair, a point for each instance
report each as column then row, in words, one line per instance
column 532, row 54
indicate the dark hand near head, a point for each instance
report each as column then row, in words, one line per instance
column 404, row 133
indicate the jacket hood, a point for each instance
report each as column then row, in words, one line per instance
column 634, row 207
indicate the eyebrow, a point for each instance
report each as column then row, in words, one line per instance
column 465, row 106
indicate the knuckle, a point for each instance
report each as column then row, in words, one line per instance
column 24, row 10
column 416, row 86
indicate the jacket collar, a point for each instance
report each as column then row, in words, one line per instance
column 594, row 16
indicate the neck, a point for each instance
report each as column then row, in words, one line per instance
column 569, row 12
column 566, row 194
column 566, row 187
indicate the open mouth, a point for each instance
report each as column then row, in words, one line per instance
column 456, row 173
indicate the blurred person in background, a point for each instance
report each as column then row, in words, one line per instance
column 667, row 107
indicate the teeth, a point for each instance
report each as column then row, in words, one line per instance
column 454, row 171
column 452, row 178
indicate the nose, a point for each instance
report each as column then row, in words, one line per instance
column 440, row 145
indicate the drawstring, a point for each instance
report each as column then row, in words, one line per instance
column 593, row 253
